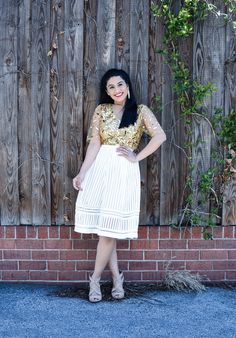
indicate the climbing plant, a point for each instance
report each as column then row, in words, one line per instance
column 190, row 95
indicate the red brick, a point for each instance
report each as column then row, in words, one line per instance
column 185, row 255
column 43, row 232
column 10, row 232
column 228, row 232
column 86, row 236
column 173, row 265
column 7, row 244
column 201, row 244
column 1, row 255
column 226, row 244
column 213, row 254
column 201, row 265
column 157, row 255
column 142, row 266
column 29, row 244
column 84, row 244
column 174, row 233
column 185, row 233
column 53, row 231
column 43, row 275
column 73, row 255
column 232, row 254
column 8, row 265
column 65, row 232
column 224, row 265
column 132, row 276
column 2, row 231
column 123, row 265
column 20, row 232
column 231, row 275
column 91, row 254
column 143, row 244
column 72, row 275
column 75, row 235
column 123, row 244
column 196, row 232
column 32, row 265
column 85, row 265
column 130, row 255
column 173, row 244
column 45, row 255
column 143, row 232
column 61, row 265
column 214, row 275
column 32, row 232
column 15, row 275
column 16, row 254
column 164, row 232
column 154, row 232
column 153, row 276
column 217, row 232
column 58, row 244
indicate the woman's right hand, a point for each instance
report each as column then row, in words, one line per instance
column 77, row 181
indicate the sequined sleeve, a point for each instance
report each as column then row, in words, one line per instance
column 94, row 129
column 151, row 125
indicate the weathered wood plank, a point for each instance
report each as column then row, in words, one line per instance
column 139, row 23
column 229, row 195
column 91, row 81
column 8, row 109
column 40, row 90
column 57, row 110
column 24, row 122
column 105, row 35
column 73, row 101
column 155, row 93
column 122, row 34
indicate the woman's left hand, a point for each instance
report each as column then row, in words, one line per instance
column 127, row 153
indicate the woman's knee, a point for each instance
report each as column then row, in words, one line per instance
column 108, row 240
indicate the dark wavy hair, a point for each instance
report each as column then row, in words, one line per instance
column 130, row 110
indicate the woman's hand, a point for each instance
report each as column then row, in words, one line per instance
column 77, row 181
column 127, row 153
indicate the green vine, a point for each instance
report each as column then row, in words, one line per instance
column 190, row 96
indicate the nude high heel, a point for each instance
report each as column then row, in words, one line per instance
column 117, row 291
column 95, row 294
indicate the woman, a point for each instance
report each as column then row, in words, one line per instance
column 108, row 202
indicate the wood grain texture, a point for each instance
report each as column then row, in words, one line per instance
column 40, row 90
column 24, row 104
column 73, row 101
column 57, row 110
column 105, row 35
column 139, row 23
column 229, row 194
column 9, row 110
column 123, row 34
column 154, row 91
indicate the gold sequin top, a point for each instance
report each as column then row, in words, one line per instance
column 105, row 127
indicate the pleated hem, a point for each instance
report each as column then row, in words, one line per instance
column 106, row 233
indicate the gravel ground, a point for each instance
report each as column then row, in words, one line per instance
column 61, row 311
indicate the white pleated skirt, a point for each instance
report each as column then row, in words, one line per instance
column 109, row 203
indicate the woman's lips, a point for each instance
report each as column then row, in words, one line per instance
column 118, row 95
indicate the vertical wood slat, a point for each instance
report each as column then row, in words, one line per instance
column 40, row 90
column 139, row 24
column 122, row 34
column 229, row 194
column 73, row 101
column 24, row 121
column 57, row 110
column 8, row 110
column 154, row 90
column 105, row 35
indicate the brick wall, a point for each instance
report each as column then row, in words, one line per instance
column 58, row 254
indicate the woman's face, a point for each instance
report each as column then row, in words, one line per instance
column 117, row 89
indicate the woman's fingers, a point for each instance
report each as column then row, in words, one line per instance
column 127, row 153
column 77, row 183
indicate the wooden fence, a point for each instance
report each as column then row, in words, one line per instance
column 52, row 55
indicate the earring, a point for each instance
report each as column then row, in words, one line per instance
column 128, row 94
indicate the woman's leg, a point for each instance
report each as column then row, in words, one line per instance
column 113, row 263
column 105, row 248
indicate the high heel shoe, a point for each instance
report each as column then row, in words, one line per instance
column 95, row 294
column 117, row 291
